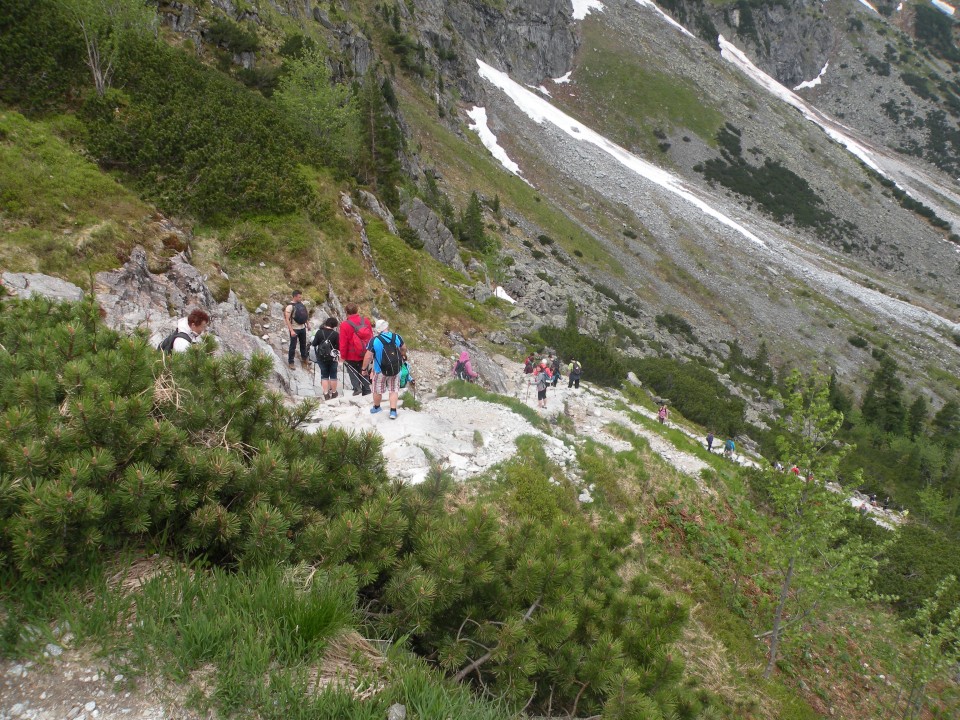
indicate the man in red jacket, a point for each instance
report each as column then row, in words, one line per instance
column 355, row 333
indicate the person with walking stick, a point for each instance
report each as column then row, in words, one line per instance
column 355, row 333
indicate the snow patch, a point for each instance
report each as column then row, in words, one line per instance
column 866, row 4
column 654, row 6
column 540, row 111
column 502, row 294
column 542, row 89
column 735, row 56
column 489, row 140
column 943, row 7
column 563, row 79
column 816, row 80
column 900, row 7
column 581, row 8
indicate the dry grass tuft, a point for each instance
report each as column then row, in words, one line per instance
column 708, row 661
column 167, row 393
column 130, row 579
column 351, row 664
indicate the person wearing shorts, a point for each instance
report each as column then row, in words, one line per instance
column 383, row 384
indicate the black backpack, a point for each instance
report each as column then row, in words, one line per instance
column 166, row 345
column 325, row 348
column 460, row 371
column 298, row 313
column 390, row 359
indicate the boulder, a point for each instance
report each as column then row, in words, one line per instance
column 28, row 284
column 491, row 374
column 481, row 293
column 435, row 236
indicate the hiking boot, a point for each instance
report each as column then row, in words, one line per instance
column 291, row 366
column 333, row 394
column 393, row 414
column 375, row 409
column 326, row 396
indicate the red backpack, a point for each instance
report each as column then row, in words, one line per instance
column 362, row 334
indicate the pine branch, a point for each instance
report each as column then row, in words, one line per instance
column 489, row 654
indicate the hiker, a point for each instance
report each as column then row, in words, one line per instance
column 795, row 470
column 355, row 334
column 555, row 370
column 710, row 441
column 574, row 370
column 463, row 370
column 326, row 349
column 297, row 319
column 385, row 356
column 886, row 503
column 662, row 413
column 542, row 379
column 528, row 366
column 189, row 329
column 729, row 448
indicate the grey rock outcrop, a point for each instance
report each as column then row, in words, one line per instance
column 371, row 203
column 529, row 39
column 26, row 285
column 435, row 236
column 134, row 298
column 491, row 374
column 179, row 17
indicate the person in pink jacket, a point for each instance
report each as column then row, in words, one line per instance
column 463, row 370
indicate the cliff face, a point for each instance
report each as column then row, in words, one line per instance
column 529, row 39
column 790, row 40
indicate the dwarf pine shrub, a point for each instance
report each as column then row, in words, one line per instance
column 105, row 442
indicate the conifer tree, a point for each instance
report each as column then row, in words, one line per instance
column 814, row 556
column 382, row 140
column 917, row 416
column 472, row 232
column 946, row 424
column 883, row 401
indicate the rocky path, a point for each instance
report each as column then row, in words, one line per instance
column 470, row 436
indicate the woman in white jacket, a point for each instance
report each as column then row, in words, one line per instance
column 189, row 329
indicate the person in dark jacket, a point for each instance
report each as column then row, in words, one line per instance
column 326, row 348
column 555, row 369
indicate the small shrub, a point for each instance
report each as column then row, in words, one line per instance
column 545, row 239
column 538, row 255
column 858, row 341
column 231, row 35
column 630, row 233
column 676, row 325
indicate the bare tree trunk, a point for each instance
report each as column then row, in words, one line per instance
column 777, row 620
column 100, row 81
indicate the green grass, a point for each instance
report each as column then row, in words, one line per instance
column 59, row 213
column 636, row 98
column 242, row 643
